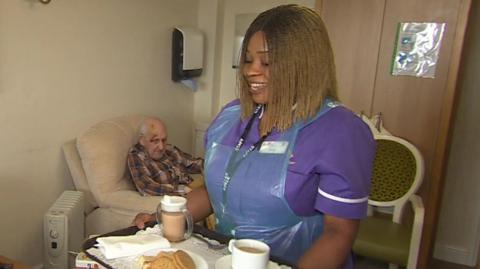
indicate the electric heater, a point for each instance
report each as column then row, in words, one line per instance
column 63, row 230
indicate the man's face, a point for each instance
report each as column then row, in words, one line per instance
column 155, row 139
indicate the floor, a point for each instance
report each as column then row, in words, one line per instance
column 363, row 263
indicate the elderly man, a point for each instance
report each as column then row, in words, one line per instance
column 158, row 168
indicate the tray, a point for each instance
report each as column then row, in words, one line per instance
column 89, row 243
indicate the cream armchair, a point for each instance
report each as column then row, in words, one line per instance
column 97, row 163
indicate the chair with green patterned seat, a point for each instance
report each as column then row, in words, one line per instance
column 398, row 173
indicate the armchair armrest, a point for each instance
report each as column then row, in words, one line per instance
column 130, row 200
column 419, row 213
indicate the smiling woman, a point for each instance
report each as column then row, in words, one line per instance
column 285, row 163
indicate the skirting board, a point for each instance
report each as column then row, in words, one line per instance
column 455, row 255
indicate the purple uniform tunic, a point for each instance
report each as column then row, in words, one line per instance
column 331, row 165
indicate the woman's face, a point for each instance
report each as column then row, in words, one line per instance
column 255, row 68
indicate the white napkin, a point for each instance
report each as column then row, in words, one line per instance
column 121, row 246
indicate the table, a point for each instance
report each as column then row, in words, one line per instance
column 197, row 229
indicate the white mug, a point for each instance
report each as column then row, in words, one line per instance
column 249, row 253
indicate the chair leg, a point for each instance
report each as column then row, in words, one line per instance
column 392, row 266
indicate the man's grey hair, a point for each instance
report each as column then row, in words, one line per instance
column 143, row 128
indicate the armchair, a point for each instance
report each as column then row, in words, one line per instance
column 97, row 163
column 398, row 173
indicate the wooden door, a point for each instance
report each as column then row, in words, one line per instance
column 418, row 109
column 354, row 28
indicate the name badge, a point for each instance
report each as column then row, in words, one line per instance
column 274, row 147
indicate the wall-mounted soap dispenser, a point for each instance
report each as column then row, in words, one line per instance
column 187, row 53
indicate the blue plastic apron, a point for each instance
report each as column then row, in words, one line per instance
column 251, row 203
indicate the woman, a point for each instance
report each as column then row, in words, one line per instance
column 286, row 164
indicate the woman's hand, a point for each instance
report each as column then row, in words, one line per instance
column 142, row 218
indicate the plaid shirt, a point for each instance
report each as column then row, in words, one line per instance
column 168, row 175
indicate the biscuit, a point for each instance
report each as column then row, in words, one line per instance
column 168, row 260
column 163, row 262
column 183, row 260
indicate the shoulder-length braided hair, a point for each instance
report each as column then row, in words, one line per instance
column 301, row 66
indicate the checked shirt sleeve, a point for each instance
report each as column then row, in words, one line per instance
column 142, row 177
column 191, row 164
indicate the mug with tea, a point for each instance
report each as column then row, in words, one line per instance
column 174, row 219
column 249, row 253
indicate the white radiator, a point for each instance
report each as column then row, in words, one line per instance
column 63, row 230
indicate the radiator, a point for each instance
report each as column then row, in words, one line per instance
column 63, row 230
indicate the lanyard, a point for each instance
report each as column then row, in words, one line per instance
column 233, row 163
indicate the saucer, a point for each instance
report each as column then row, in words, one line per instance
column 225, row 262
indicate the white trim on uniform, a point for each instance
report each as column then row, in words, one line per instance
column 341, row 199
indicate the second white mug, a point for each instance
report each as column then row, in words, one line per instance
column 249, row 253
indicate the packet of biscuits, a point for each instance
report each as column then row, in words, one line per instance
column 168, row 260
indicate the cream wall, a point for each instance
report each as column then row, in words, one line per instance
column 207, row 21
column 208, row 13
column 459, row 226
column 63, row 67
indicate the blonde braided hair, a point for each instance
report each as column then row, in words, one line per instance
column 301, row 66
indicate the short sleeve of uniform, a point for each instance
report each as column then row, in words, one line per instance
column 331, row 166
column 345, row 166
